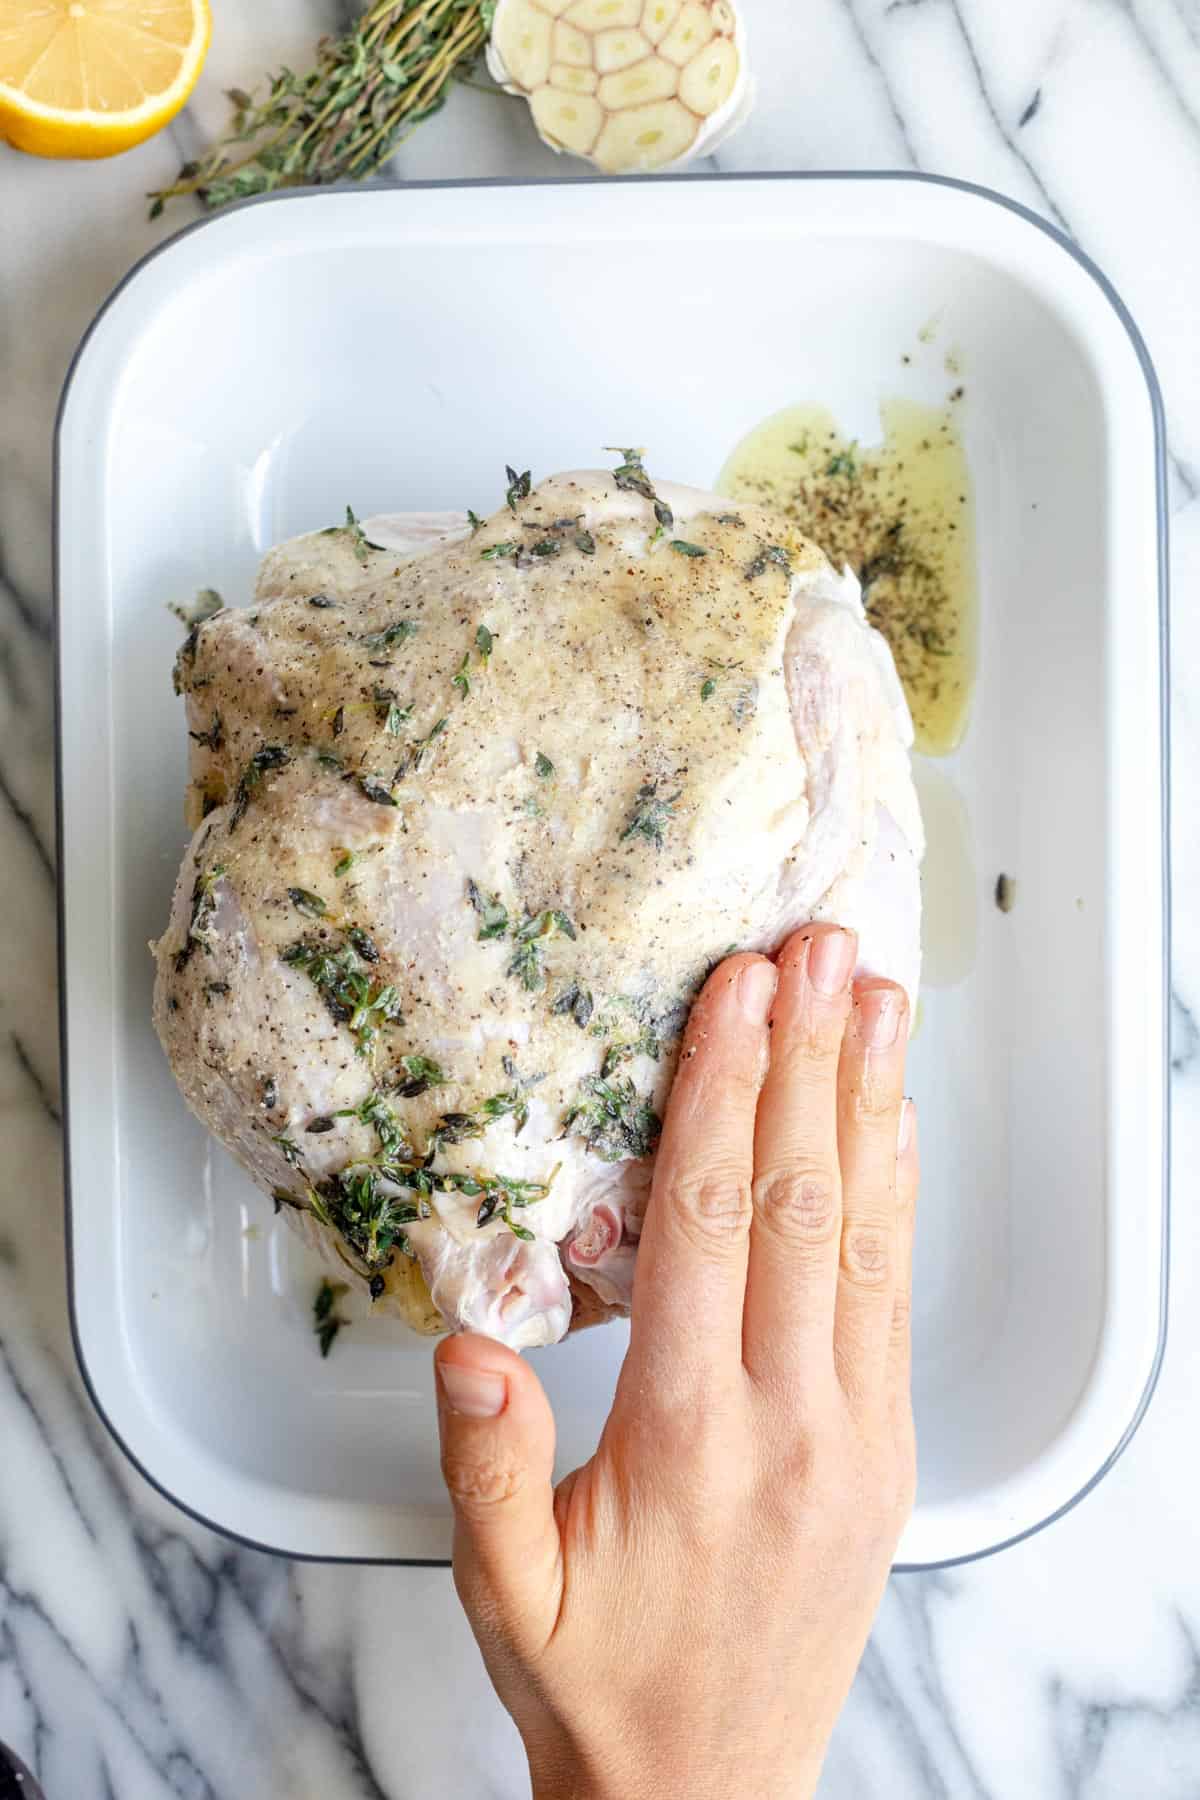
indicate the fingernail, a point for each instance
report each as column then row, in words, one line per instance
column 908, row 1120
column 472, row 1392
column 880, row 1011
column 756, row 990
column 831, row 961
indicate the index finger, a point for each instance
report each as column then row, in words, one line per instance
column 690, row 1286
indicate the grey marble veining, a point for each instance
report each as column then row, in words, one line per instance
column 142, row 1657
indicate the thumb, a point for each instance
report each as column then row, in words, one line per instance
column 497, row 1433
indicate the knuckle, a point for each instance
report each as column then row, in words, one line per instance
column 867, row 1255
column 716, row 1204
column 812, row 1042
column 799, row 1203
column 876, row 1097
column 478, row 1484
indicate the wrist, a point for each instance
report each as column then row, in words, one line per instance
column 558, row 1772
column 562, row 1773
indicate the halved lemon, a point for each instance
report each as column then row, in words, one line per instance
column 92, row 77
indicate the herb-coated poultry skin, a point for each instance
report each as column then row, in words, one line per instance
column 477, row 805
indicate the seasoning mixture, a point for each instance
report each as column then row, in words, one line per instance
column 901, row 515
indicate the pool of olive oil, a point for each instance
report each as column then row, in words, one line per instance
column 901, row 514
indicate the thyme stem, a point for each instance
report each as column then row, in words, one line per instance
column 344, row 117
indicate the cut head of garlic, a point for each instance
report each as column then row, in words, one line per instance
column 633, row 85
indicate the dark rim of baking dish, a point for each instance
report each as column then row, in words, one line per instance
column 1160, row 440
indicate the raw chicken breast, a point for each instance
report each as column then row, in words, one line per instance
column 476, row 811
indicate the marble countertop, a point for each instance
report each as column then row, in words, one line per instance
column 142, row 1657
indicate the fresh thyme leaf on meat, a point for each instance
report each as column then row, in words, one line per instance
column 708, row 689
column 543, row 766
column 271, row 756
column 474, row 521
column 420, row 1074
column 586, row 542
column 504, row 1195
column 577, row 1001
column 461, row 678
column 527, row 963
column 350, row 995
column 613, row 1119
column 322, row 602
column 204, row 905
column 206, row 605
column 213, row 738
column 361, row 1204
column 327, row 1323
column 421, row 748
column 686, row 549
column 346, row 860
column 843, row 464
column 493, row 915
column 376, row 1112
column 360, row 543
column 289, row 1149
column 387, row 713
column 650, row 815
column 372, row 787
column 306, row 902
column 495, row 552
column 632, row 478
column 511, row 1104
column 773, row 553
column 519, row 486
column 390, row 636
column 645, row 1044
column 452, row 1128
column 484, row 642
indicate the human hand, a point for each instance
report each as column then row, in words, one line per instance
column 684, row 1616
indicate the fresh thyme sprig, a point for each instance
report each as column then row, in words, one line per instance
column 342, row 119
column 612, row 1118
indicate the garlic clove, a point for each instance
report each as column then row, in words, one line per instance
column 691, row 31
column 522, row 37
column 645, row 137
column 618, row 49
column 650, row 79
column 573, row 81
column 707, row 82
column 570, row 45
column 598, row 15
column 568, row 121
column 659, row 17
